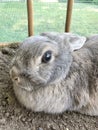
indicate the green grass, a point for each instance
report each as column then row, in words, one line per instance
column 13, row 22
column 47, row 17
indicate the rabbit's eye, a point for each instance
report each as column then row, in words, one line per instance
column 47, row 57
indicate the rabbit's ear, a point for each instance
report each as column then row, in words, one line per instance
column 76, row 42
column 50, row 35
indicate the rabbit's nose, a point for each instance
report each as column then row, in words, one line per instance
column 14, row 75
column 16, row 79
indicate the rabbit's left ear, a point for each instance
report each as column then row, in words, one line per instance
column 76, row 42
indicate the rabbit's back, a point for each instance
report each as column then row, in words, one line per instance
column 85, row 61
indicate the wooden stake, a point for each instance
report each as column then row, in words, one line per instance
column 68, row 15
column 30, row 17
column 8, row 44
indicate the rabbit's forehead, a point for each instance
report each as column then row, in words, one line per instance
column 31, row 41
column 38, row 48
column 42, row 48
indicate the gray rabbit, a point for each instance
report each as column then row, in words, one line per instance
column 55, row 72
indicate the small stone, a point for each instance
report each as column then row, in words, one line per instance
column 2, row 121
column 23, row 119
column 3, row 103
column 7, row 114
column 40, row 128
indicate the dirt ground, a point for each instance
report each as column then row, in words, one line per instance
column 14, row 117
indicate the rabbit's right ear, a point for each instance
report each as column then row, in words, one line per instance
column 76, row 41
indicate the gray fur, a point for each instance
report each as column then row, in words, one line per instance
column 68, row 82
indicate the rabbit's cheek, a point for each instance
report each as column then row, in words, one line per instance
column 45, row 74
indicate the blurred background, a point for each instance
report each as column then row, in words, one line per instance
column 49, row 15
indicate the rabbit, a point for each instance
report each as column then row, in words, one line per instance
column 57, row 72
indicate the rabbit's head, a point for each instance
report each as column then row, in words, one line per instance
column 43, row 60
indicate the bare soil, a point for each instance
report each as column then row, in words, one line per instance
column 15, row 117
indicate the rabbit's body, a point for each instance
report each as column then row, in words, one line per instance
column 70, row 83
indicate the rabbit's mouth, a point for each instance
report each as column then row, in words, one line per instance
column 27, row 88
column 30, row 87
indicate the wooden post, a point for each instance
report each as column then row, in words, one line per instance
column 68, row 15
column 30, row 17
